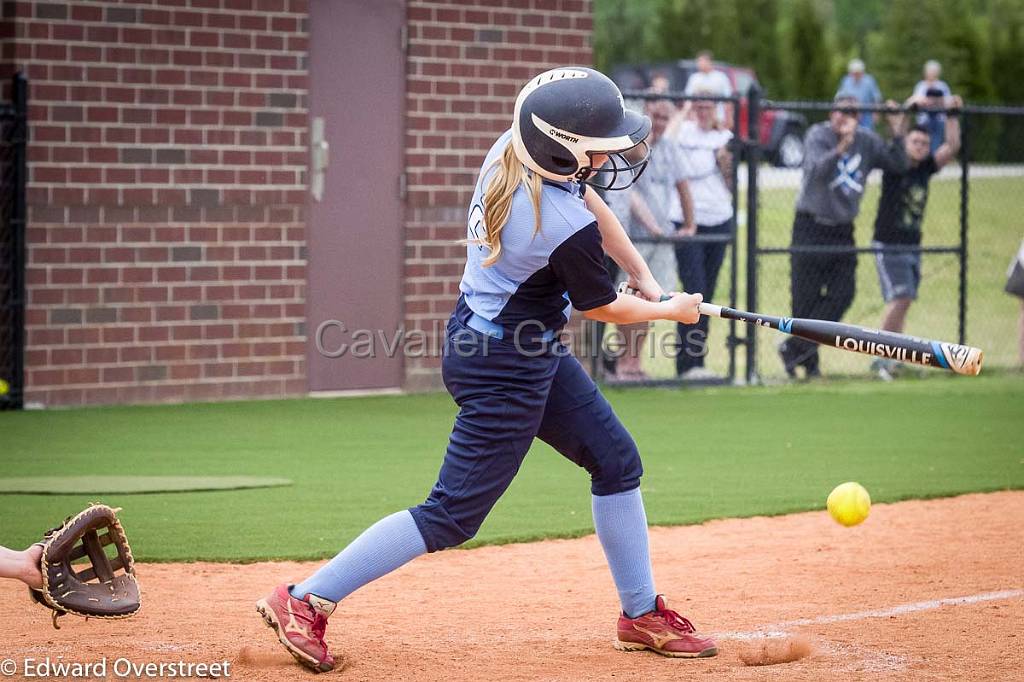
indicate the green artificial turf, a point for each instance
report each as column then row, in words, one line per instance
column 126, row 484
column 707, row 453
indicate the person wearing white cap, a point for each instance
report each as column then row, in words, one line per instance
column 931, row 96
column 864, row 87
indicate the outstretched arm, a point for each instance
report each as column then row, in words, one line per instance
column 617, row 244
column 951, row 146
column 627, row 309
column 896, row 118
column 578, row 263
column 689, row 227
column 891, row 155
column 723, row 157
column 639, row 209
column 23, row 566
column 820, row 156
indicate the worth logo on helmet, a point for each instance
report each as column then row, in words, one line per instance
column 567, row 116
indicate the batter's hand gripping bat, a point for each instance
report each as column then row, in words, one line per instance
column 951, row 356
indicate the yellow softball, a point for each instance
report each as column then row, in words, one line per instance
column 849, row 503
column 4, row 387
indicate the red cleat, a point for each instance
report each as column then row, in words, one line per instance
column 300, row 624
column 665, row 632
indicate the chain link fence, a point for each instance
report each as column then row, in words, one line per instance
column 970, row 231
column 864, row 267
column 950, row 283
column 994, row 143
column 13, row 130
column 830, row 244
column 702, row 140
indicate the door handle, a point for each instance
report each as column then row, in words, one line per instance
column 319, row 158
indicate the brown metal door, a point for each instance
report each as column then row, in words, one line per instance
column 354, row 228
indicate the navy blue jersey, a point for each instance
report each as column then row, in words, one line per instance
column 540, row 276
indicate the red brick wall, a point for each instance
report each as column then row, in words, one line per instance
column 467, row 61
column 166, row 190
column 167, row 181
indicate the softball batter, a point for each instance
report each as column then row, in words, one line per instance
column 536, row 239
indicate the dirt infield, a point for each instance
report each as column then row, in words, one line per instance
column 868, row 601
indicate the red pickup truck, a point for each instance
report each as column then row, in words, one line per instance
column 781, row 133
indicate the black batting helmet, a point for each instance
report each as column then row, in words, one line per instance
column 565, row 116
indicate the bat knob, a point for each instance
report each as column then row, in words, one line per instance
column 972, row 365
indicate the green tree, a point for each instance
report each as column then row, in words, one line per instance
column 1006, row 38
column 809, row 59
column 969, row 58
column 951, row 32
column 914, row 31
column 854, row 21
column 725, row 36
column 758, row 44
column 744, row 32
column 623, row 31
column 906, row 40
column 684, row 27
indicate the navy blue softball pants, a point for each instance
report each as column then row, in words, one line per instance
column 506, row 398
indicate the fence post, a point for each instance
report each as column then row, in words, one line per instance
column 753, row 161
column 965, row 155
column 19, row 139
column 736, row 148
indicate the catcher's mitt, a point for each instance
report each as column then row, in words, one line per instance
column 107, row 588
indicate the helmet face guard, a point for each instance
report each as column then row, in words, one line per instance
column 619, row 172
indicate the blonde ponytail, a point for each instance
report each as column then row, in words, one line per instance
column 497, row 200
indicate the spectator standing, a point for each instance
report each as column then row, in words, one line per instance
column 710, row 81
column 1015, row 287
column 898, row 222
column 839, row 156
column 655, row 199
column 930, row 95
column 863, row 87
column 706, row 79
column 659, row 84
column 705, row 143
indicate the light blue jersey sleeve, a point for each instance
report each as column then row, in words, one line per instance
column 540, row 273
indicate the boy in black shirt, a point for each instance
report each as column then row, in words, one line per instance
column 898, row 223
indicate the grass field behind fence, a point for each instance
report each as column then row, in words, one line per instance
column 996, row 207
column 707, row 453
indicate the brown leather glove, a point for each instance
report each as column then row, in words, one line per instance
column 107, row 587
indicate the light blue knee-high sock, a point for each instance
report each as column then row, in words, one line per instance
column 621, row 524
column 386, row 545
